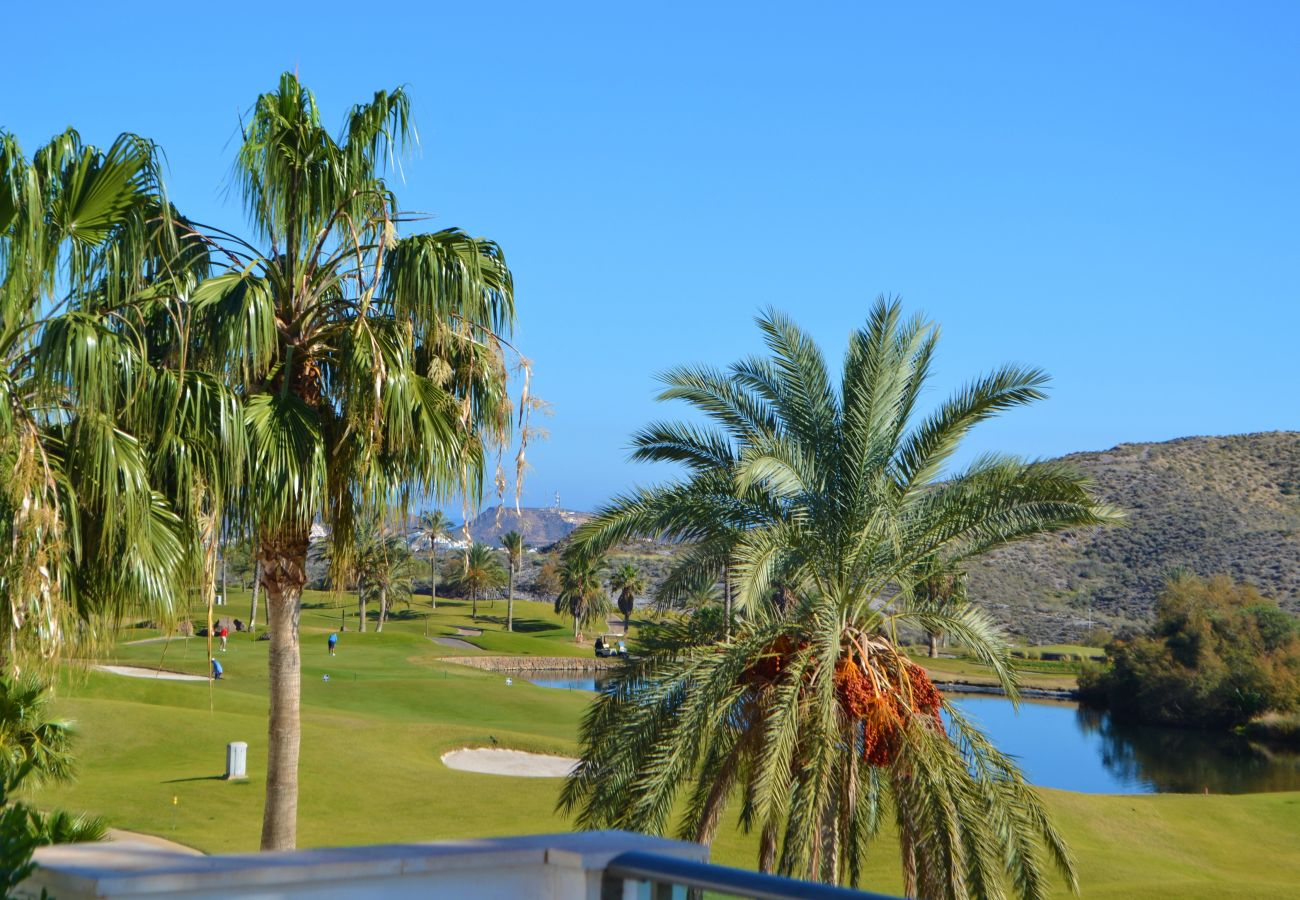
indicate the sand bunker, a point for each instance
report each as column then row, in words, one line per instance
column 138, row 672
column 469, row 632
column 509, row 762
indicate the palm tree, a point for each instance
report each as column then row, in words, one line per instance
column 34, row 750
column 384, row 572
column 581, row 595
column 627, row 582
column 369, row 363
column 513, row 542
column 84, row 532
column 820, row 499
column 434, row 527
column 28, row 733
column 478, row 573
column 939, row 588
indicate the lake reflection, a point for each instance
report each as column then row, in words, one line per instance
column 1061, row 745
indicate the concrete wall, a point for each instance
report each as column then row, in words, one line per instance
column 535, row 867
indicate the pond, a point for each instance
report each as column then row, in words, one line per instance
column 1062, row 745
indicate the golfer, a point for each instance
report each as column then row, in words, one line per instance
column 334, row 639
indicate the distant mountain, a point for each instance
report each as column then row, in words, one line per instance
column 539, row 526
column 1202, row 504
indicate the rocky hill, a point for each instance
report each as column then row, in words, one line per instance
column 1203, row 504
column 539, row 526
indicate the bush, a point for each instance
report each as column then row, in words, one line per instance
column 1218, row 655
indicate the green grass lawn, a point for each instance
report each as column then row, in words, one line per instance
column 373, row 734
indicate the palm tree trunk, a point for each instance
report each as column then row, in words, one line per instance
column 361, row 609
column 284, row 573
column 257, row 586
column 767, row 848
column 933, row 637
column 433, row 579
column 473, row 599
column 383, row 609
column 510, row 601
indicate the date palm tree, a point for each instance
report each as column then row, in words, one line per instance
column 384, row 573
column 626, row 582
column 479, row 572
column 434, row 526
column 513, row 543
column 820, row 499
column 369, row 362
column 84, row 532
column 582, row 596
column 939, row 588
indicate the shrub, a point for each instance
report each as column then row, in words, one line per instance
column 1217, row 656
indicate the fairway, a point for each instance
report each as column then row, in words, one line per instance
column 374, row 732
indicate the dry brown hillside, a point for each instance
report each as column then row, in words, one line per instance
column 1206, row 504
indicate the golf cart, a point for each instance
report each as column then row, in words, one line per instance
column 610, row 645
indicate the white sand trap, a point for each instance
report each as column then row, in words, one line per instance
column 138, row 672
column 468, row 632
column 508, row 762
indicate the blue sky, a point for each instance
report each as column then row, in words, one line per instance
column 1108, row 190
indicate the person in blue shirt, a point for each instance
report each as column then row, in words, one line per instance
column 334, row 639
column 216, row 669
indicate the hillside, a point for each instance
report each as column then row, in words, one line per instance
column 539, row 526
column 1205, row 504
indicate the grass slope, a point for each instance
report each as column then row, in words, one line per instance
column 373, row 734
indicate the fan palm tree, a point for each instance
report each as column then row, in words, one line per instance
column 29, row 734
column 370, row 364
column 820, row 500
column 34, row 750
column 478, row 573
column 434, row 526
column 83, row 530
column 626, row 582
column 513, row 542
column 581, row 595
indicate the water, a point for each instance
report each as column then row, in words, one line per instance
column 1061, row 745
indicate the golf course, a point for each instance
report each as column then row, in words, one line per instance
column 152, row 755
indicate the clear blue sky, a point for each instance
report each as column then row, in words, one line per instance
column 1108, row 190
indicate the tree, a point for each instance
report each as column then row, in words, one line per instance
column 1217, row 656
column 434, row 527
column 581, row 595
column 478, row 572
column 384, row 572
column 940, row 589
column 627, row 582
column 513, row 542
column 369, row 364
column 84, row 532
column 546, row 581
column 820, row 498
column 34, row 750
